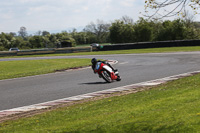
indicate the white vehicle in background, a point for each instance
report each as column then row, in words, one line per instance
column 14, row 49
column 95, row 45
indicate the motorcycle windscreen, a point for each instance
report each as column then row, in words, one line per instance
column 108, row 68
column 97, row 66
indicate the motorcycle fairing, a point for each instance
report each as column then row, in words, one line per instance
column 113, row 76
column 107, row 68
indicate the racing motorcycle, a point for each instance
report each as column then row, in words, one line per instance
column 105, row 72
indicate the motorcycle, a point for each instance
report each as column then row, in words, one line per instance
column 105, row 72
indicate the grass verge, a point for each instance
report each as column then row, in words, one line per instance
column 15, row 69
column 131, row 51
column 171, row 107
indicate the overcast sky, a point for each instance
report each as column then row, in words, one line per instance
column 60, row 15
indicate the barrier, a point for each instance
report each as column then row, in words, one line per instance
column 73, row 50
column 35, row 52
column 46, row 51
column 139, row 45
column 158, row 44
column 8, row 53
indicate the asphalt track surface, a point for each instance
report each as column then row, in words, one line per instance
column 133, row 68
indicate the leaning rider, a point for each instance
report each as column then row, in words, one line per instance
column 94, row 62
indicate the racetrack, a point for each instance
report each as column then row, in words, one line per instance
column 133, row 68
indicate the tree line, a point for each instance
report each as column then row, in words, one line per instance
column 123, row 30
column 148, row 30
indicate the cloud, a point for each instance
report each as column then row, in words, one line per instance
column 61, row 14
column 6, row 14
column 128, row 3
column 44, row 9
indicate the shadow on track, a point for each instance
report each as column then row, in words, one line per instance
column 93, row 83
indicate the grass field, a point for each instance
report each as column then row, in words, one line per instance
column 15, row 69
column 171, row 107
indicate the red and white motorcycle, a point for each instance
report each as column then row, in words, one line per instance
column 105, row 72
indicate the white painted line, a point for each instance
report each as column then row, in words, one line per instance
column 123, row 63
column 26, row 108
column 150, row 84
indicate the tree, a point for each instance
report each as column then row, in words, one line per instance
column 7, row 41
column 80, row 37
column 100, row 29
column 38, row 33
column 143, row 31
column 170, row 7
column 127, row 20
column 36, row 42
column 4, row 42
column 13, row 34
column 21, row 43
column 53, row 40
column 121, row 32
column 22, row 32
column 44, row 33
column 172, row 30
column 115, row 32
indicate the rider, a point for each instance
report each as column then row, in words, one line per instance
column 94, row 62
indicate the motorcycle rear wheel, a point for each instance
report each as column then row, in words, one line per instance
column 106, row 76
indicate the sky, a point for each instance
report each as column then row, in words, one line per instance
column 62, row 15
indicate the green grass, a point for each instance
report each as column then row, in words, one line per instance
column 131, row 51
column 171, row 107
column 14, row 69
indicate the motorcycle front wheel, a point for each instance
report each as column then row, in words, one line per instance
column 118, row 78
